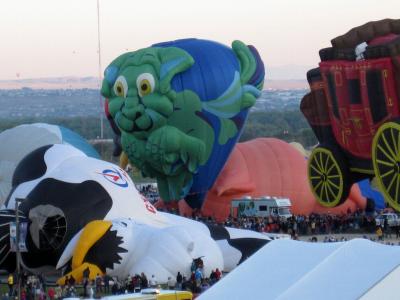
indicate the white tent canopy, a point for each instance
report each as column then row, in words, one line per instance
column 287, row 269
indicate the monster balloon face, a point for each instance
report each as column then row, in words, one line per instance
column 138, row 84
column 180, row 107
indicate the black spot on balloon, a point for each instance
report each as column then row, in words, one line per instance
column 80, row 204
column 31, row 166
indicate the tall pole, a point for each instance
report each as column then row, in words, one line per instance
column 99, row 55
column 17, row 202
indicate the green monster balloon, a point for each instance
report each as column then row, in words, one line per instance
column 180, row 107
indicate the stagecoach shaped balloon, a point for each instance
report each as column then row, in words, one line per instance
column 180, row 107
column 84, row 213
column 353, row 108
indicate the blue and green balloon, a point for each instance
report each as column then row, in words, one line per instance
column 180, row 107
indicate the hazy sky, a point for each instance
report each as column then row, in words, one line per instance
column 46, row 38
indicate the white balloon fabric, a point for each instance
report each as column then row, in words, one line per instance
column 85, row 213
column 17, row 142
column 161, row 251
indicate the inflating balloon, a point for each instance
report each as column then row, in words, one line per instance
column 84, row 213
column 180, row 107
column 353, row 108
column 21, row 140
column 369, row 190
column 268, row 167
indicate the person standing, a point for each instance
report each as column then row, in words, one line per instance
column 179, row 281
column 171, row 283
column 58, row 292
column 66, row 281
column 137, row 284
column 153, row 281
column 143, row 281
column 98, row 284
column 198, row 275
column 217, row 274
column 10, row 281
column 51, row 293
column 379, row 233
column 106, row 281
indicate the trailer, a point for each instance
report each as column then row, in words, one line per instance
column 261, row 207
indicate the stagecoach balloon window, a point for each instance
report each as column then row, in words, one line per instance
column 48, row 226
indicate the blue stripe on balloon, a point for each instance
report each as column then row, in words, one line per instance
column 168, row 66
column 110, row 74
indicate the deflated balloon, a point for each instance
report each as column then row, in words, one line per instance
column 84, row 214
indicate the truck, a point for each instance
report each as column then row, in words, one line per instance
column 261, row 207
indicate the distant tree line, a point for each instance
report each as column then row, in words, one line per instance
column 88, row 127
column 290, row 126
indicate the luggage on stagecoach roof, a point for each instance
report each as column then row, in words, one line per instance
column 383, row 38
column 356, row 88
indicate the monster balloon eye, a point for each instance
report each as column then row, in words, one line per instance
column 121, row 87
column 145, row 84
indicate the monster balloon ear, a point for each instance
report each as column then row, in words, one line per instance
column 173, row 61
column 246, row 59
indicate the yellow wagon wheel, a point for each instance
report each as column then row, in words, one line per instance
column 328, row 175
column 386, row 162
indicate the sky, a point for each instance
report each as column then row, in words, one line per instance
column 54, row 38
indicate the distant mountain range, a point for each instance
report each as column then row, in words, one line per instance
column 69, row 82
column 287, row 72
column 93, row 83
column 282, row 77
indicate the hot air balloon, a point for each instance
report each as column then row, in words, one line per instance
column 21, row 140
column 353, row 108
column 180, row 107
column 268, row 167
column 85, row 213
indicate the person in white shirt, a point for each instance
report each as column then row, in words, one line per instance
column 171, row 283
column 153, row 281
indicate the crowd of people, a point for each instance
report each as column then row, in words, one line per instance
column 314, row 224
column 149, row 191
column 35, row 288
column 196, row 283
column 32, row 288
